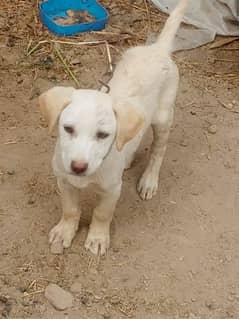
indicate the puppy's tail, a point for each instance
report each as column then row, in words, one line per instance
column 167, row 35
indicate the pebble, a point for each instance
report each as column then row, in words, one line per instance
column 115, row 300
column 84, row 299
column 184, row 143
column 57, row 249
column 106, row 315
column 10, row 172
column 76, row 61
column 31, row 201
column 58, row 297
column 76, row 287
column 211, row 305
column 212, row 129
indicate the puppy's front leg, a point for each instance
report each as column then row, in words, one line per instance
column 98, row 239
column 62, row 234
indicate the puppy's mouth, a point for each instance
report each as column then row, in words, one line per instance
column 79, row 174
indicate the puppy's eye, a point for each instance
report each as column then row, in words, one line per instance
column 101, row 135
column 69, row 129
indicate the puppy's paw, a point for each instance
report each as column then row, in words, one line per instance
column 148, row 185
column 97, row 241
column 62, row 234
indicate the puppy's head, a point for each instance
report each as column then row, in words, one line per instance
column 88, row 124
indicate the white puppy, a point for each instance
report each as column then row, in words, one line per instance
column 99, row 133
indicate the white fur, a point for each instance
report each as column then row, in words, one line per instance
column 147, row 78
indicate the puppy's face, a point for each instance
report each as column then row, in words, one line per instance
column 87, row 129
column 89, row 123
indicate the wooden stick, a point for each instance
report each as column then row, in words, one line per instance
column 26, row 294
column 66, row 67
column 109, row 56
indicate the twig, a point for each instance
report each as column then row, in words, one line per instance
column 13, row 142
column 26, row 294
column 35, row 47
column 79, row 43
column 67, row 69
column 209, row 146
column 228, row 108
column 229, row 49
column 221, row 42
column 109, row 56
column 30, row 51
column 29, row 45
column 60, row 56
column 226, row 60
column 123, row 311
column 32, row 284
column 90, row 262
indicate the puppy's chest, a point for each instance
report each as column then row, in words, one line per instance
column 84, row 182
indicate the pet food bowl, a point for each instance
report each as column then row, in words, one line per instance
column 52, row 9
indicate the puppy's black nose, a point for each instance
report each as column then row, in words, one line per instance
column 79, row 167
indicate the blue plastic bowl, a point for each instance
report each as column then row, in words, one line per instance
column 52, row 9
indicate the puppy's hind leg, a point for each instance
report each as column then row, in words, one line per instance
column 148, row 184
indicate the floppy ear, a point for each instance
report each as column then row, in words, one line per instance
column 129, row 122
column 52, row 103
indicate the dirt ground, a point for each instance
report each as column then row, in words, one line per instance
column 175, row 256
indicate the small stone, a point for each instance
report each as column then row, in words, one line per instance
column 57, row 248
column 19, row 80
column 196, row 189
column 211, row 305
column 3, row 298
column 31, row 201
column 230, row 105
column 10, row 172
column 184, row 143
column 76, row 61
column 47, row 62
column 227, row 164
column 106, row 315
column 228, row 258
column 11, row 41
column 234, row 102
column 84, row 299
column 115, row 300
column 25, row 303
column 76, row 287
column 212, row 129
column 58, row 297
